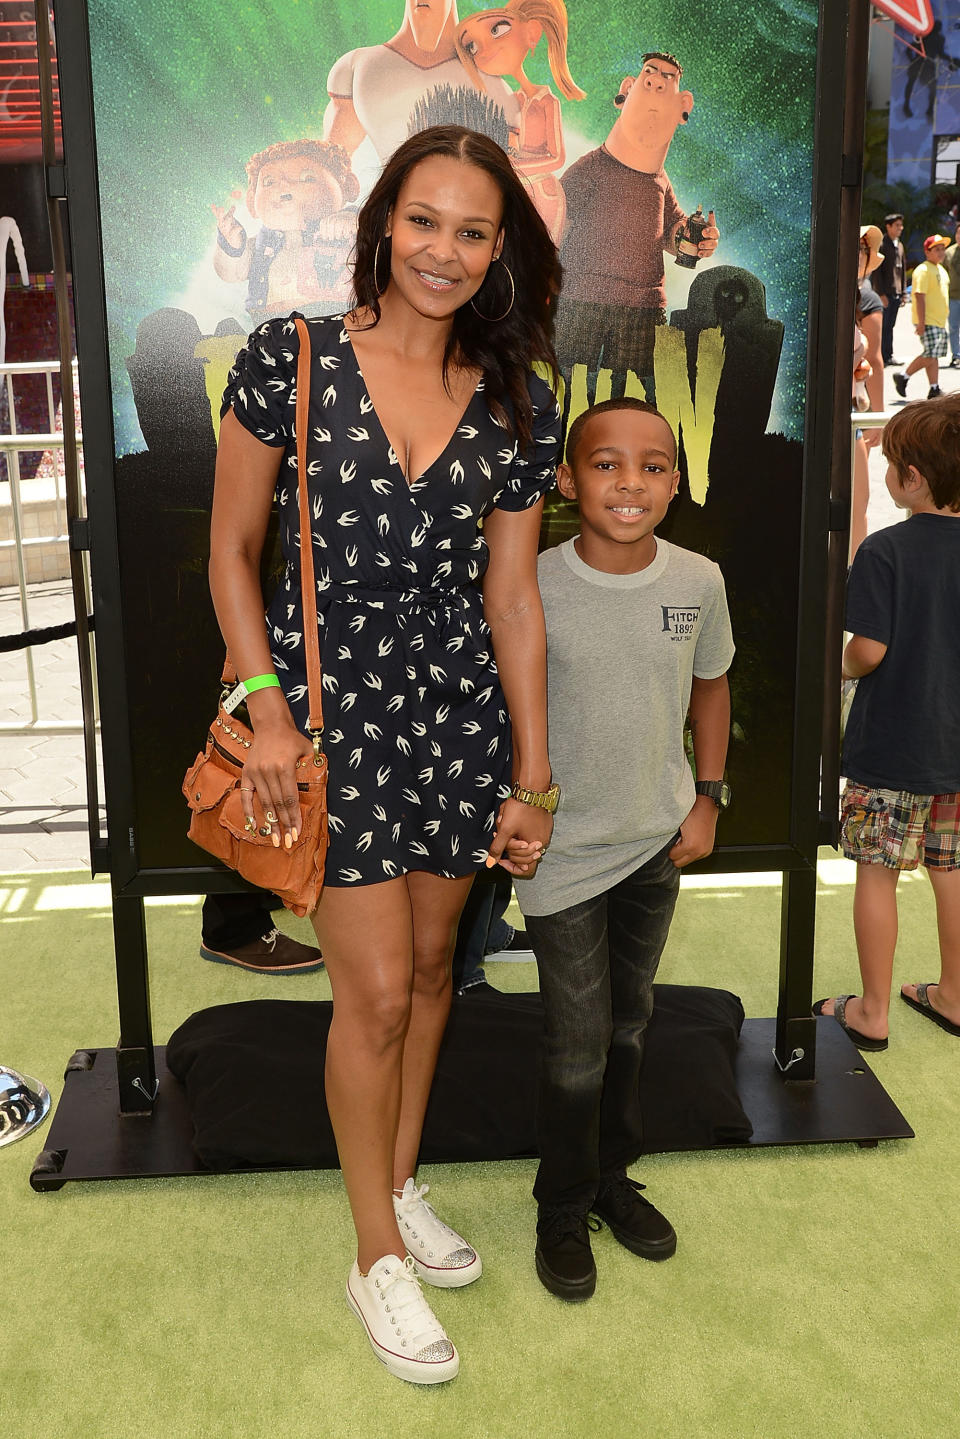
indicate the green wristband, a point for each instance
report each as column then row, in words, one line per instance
column 260, row 682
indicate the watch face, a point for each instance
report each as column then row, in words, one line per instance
column 726, row 795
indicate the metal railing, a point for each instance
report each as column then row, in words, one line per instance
column 12, row 444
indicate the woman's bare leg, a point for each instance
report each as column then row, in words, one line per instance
column 367, row 941
column 436, row 904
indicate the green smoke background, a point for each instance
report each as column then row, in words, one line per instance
column 184, row 94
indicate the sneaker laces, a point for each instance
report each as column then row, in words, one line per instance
column 408, row 1203
column 621, row 1194
column 270, row 939
column 561, row 1223
column 407, row 1309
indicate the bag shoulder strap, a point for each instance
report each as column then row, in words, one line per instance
column 311, row 633
column 308, row 585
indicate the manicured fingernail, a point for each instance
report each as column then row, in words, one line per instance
column 276, row 840
column 288, row 840
column 490, row 861
column 295, row 835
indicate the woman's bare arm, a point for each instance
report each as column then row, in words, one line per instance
column 514, row 612
column 246, row 477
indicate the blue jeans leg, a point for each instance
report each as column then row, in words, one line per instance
column 954, row 323
column 597, row 963
column 472, row 933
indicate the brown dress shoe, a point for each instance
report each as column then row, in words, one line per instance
column 274, row 953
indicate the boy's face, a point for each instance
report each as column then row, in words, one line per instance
column 936, row 253
column 294, row 194
column 623, row 478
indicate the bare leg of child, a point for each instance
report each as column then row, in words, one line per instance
column 875, row 928
column 945, row 996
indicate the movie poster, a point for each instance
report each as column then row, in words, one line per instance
column 235, row 144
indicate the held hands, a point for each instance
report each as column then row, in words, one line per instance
column 521, row 837
column 710, row 238
column 698, row 833
column 277, row 751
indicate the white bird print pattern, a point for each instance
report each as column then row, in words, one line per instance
column 416, row 728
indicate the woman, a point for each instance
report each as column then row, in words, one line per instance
column 867, row 359
column 424, row 420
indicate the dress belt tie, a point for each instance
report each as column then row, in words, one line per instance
column 399, row 602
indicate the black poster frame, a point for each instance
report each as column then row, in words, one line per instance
column 840, row 105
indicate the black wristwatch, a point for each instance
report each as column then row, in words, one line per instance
column 717, row 789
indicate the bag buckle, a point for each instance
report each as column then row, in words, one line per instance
column 317, row 736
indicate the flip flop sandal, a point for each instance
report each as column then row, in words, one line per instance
column 923, row 1006
column 862, row 1041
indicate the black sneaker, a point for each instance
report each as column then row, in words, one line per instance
column 564, row 1261
column 633, row 1220
column 934, row 392
column 900, row 384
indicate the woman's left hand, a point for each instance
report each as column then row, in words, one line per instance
column 521, row 837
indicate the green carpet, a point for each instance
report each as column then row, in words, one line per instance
column 814, row 1290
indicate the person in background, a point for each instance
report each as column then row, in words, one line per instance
column 901, row 747
column 889, row 281
column 930, row 288
column 951, row 263
column 868, row 371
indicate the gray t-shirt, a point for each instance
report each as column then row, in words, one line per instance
column 622, row 651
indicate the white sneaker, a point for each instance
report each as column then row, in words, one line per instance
column 403, row 1330
column 442, row 1257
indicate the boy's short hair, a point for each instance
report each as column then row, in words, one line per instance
column 891, row 219
column 926, row 435
column 626, row 402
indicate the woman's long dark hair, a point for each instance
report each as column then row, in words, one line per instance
column 504, row 350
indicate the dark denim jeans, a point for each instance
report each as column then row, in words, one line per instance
column 482, row 929
column 597, row 963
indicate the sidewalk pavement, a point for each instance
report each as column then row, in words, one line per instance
column 43, row 815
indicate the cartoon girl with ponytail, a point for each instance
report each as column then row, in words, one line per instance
column 497, row 43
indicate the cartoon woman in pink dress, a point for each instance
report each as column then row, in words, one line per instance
column 497, row 42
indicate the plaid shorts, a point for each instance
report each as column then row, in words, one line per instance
column 934, row 343
column 898, row 829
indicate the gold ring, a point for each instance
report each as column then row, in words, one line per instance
column 250, row 824
column 270, row 817
column 265, row 832
column 246, row 789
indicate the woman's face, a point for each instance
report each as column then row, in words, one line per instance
column 445, row 230
column 497, row 42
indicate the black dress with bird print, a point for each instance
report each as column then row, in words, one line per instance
column 416, row 727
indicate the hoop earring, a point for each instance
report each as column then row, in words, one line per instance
column 495, row 319
column 376, row 266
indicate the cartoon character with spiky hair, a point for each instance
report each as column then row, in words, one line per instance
column 299, row 191
column 622, row 217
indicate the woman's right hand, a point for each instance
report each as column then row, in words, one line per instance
column 278, row 751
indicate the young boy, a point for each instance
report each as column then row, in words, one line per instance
column 930, row 298
column 901, row 749
column 637, row 633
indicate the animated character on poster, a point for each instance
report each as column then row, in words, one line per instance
column 298, row 190
column 622, row 215
column 374, row 90
column 497, row 43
